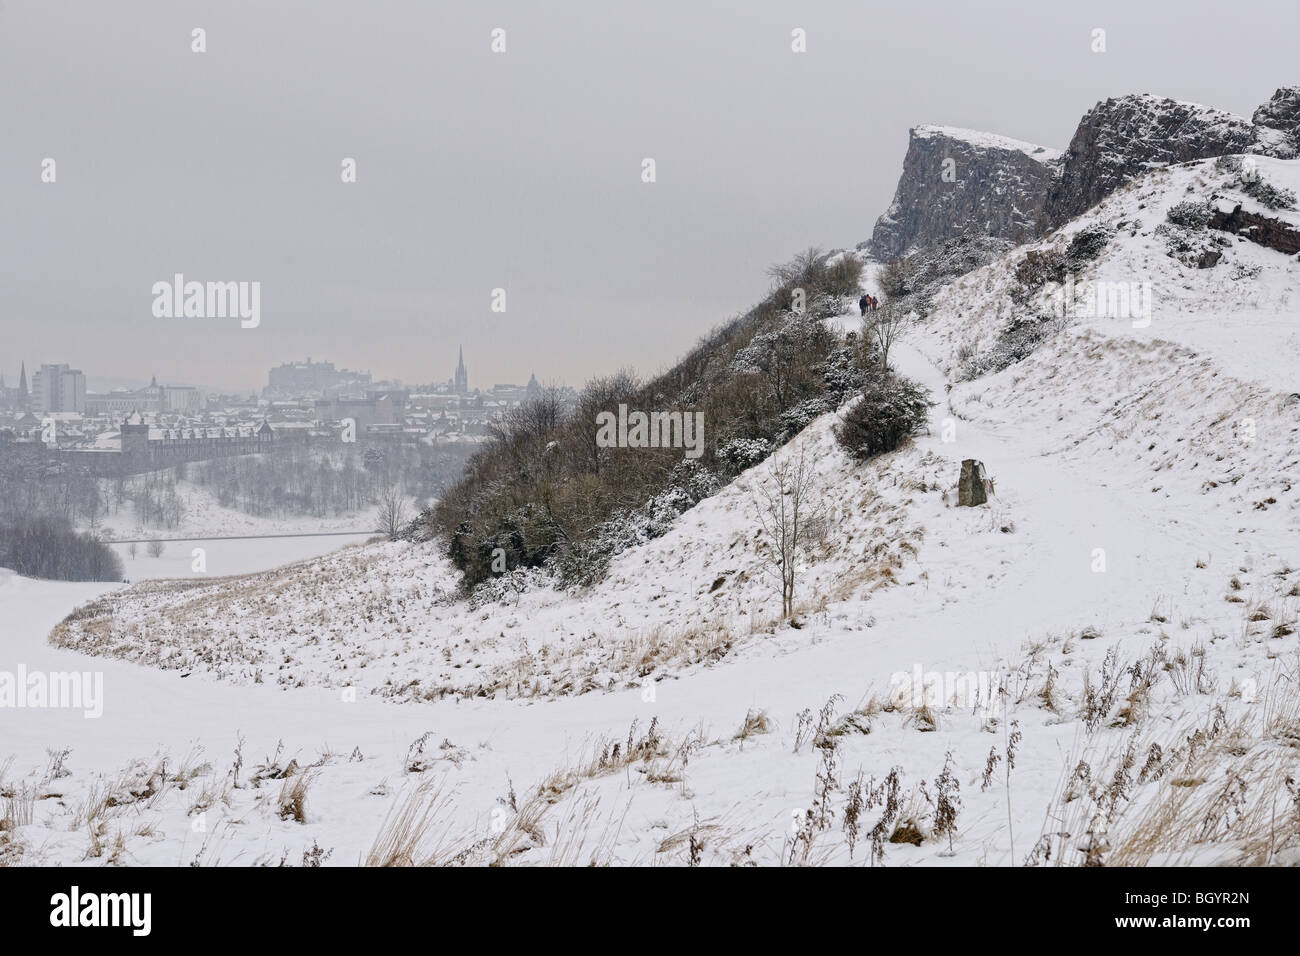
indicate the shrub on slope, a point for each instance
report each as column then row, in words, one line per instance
column 891, row 409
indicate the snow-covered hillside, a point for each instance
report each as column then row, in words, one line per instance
column 1109, row 644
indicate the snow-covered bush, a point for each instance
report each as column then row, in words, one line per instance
column 693, row 481
column 509, row 585
column 740, row 454
column 891, row 409
column 1190, row 214
column 1193, row 247
column 842, row 370
column 1088, row 243
column 1274, row 197
column 796, row 418
column 774, row 351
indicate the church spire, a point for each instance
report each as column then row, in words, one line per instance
column 462, row 376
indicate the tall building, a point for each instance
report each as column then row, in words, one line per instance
column 462, row 376
column 58, row 388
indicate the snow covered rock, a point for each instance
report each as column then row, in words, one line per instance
column 958, row 181
column 1282, row 112
column 1122, row 137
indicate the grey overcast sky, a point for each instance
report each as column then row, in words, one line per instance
column 519, row 170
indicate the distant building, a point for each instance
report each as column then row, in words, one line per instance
column 312, row 379
column 120, row 401
column 462, row 376
column 180, row 399
column 145, row 448
column 15, row 398
column 152, row 399
column 58, row 388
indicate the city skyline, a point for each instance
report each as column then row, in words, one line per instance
column 99, row 383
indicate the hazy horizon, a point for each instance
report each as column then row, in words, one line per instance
column 518, row 170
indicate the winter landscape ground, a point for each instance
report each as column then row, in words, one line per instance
column 1100, row 665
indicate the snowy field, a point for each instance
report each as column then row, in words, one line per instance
column 204, row 517
column 1131, row 590
column 225, row 556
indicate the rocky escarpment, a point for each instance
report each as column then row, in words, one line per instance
column 1282, row 113
column 1004, row 188
column 956, row 182
column 1123, row 137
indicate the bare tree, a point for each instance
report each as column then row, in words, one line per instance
column 799, row 270
column 156, row 547
column 600, row 395
column 793, row 520
column 885, row 325
column 392, row 510
column 133, row 548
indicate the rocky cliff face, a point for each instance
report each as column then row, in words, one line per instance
column 958, row 181
column 1120, row 138
column 1007, row 189
column 1282, row 113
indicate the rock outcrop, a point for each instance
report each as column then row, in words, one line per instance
column 1276, row 234
column 957, row 182
column 1282, row 113
column 1122, row 137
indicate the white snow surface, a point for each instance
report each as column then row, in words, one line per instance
column 1044, row 154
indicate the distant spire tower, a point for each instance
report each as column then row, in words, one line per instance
column 462, row 376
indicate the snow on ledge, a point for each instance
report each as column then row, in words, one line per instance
column 1044, row 154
